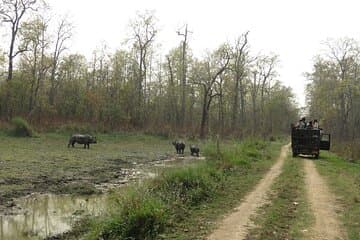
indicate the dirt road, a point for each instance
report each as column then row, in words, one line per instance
column 323, row 206
column 236, row 225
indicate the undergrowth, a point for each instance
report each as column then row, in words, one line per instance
column 22, row 128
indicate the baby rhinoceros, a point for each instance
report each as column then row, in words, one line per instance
column 85, row 139
column 195, row 150
column 179, row 146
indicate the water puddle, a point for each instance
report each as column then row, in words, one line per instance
column 42, row 215
column 38, row 216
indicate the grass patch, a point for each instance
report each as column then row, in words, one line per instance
column 288, row 212
column 343, row 178
column 188, row 185
column 46, row 164
column 136, row 215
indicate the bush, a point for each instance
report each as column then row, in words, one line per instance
column 138, row 216
column 190, row 185
column 22, row 128
column 237, row 153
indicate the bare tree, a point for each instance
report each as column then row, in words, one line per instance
column 34, row 38
column 238, row 67
column 63, row 33
column 209, row 72
column 344, row 52
column 184, row 71
column 12, row 12
column 266, row 66
column 262, row 72
column 143, row 34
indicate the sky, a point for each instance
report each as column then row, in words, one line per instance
column 294, row 30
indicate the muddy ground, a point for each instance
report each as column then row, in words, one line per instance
column 46, row 164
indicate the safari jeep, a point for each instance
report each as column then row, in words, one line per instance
column 309, row 141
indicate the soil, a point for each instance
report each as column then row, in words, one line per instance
column 323, row 206
column 237, row 224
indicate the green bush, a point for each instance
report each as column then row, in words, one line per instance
column 137, row 216
column 189, row 185
column 22, row 128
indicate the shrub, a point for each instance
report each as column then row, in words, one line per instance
column 189, row 185
column 22, row 128
column 137, row 216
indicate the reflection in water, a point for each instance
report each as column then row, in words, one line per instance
column 47, row 215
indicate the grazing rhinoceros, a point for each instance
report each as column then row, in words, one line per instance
column 195, row 150
column 179, row 146
column 85, row 139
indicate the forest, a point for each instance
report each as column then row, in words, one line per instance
column 230, row 91
column 333, row 93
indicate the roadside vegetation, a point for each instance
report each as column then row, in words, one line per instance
column 287, row 214
column 184, row 203
column 343, row 178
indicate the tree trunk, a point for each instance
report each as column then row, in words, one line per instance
column 204, row 116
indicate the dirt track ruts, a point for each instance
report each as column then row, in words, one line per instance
column 236, row 225
column 323, row 206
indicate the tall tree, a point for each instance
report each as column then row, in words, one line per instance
column 144, row 31
column 206, row 76
column 239, row 69
column 63, row 33
column 34, row 37
column 344, row 52
column 12, row 12
column 184, row 71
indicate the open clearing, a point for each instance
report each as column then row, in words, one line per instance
column 46, row 164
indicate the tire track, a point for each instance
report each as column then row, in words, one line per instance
column 236, row 225
column 323, row 206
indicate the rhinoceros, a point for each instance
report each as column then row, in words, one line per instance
column 179, row 146
column 85, row 139
column 195, row 150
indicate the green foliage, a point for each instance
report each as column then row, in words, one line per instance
column 138, row 215
column 237, row 154
column 22, row 128
column 189, row 185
